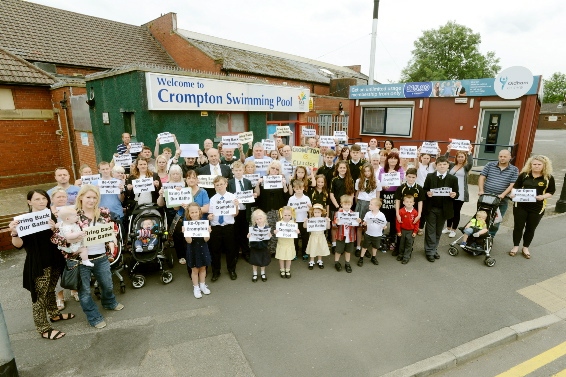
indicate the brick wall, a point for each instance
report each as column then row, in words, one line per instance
column 74, row 71
column 86, row 153
column 544, row 123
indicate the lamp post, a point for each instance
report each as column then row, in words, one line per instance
column 373, row 36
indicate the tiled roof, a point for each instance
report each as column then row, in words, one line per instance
column 14, row 70
column 242, row 57
column 551, row 108
column 39, row 33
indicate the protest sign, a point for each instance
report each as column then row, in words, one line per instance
column 245, row 196
column 124, row 160
column 268, row 145
column 165, row 138
column 189, row 150
column 391, row 179
column 316, row 224
column 273, row 182
column 224, row 207
column 230, row 142
column 287, row 167
column 246, row 137
column 305, row 156
column 206, row 181
column 253, row 178
column 429, row 147
column 364, row 146
column 175, row 198
column 283, row 131
column 261, row 164
column 90, row 179
column 309, row 132
column 525, row 195
column 407, row 151
column 441, row 191
column 257, row 234
column 143, row 185
column 136, row 147
column 341, row 135
column 33, row 222
column 326, row 141
column 109, row 186
column 172, row 185
column 98, row 234
column 286, row 230
column 301, row 205
column 196, row 228
column 460, row 145
column 348, row 218
column 376, row 220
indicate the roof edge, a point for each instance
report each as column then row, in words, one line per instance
column 29, row 65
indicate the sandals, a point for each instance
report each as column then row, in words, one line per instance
column 53, row 335
column 512, row 253
column 61, row 317
column 527, row 255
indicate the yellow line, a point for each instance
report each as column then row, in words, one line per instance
column 560, row 374
column 536, row 362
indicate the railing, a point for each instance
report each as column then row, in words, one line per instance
column 327, row 124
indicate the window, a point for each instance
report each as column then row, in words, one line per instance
column 6, row 100
column 384, row 120
column 230, row 123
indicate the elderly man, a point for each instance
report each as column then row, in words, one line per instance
column 214, row 168
column 207, row 145
column 286, row 162
column 497, row 178
column 62, row 177
column 258, row 155
column 229, row 158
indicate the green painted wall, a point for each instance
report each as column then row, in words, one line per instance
column 124, row 93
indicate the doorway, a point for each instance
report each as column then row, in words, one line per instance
column 497, row 126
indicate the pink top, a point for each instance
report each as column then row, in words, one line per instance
column 392, row 188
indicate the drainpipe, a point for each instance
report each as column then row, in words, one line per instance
column 70, row 137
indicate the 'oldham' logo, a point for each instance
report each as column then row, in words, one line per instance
column 515, row 82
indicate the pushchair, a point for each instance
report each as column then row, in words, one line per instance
column 484, row 243
column 153, row 253
column 116, row 260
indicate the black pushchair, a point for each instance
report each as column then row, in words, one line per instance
column 116, row 259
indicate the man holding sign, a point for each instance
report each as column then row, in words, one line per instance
column 237, row 186
column 214, row 168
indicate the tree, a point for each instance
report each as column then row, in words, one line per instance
column 555, row 88
column 449, row 53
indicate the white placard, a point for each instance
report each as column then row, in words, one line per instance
column 189, row 150
column 166, row 138
column 143, row 185
column 286, row 230
column 246, row 137
column 206, row 181
column 376, row 220
column 253, row 178
column 283, row 131
column 326, row 141
column 441, row 191
column 301, row 205
column 273, row 182
column 348, row 218
column 196, row 228
column 173, row 185
column 341, row 135
column 268, row 145
column 245, row 196
column 429, row 147
column 175, row 198
column 287, row 168
column 257, row 234
column 136, row 147
column 261, row 164
column 224, row 207
column 460, row 145
column 408, row 151
column 98, row 234
column 90, row 179
column 364, row 146
column 316, row 224
column 124, row 160
column 308, row 132
column 391, row 179
column 230, row 142
column 525, row 195
column 109, row 186
column 33, row 222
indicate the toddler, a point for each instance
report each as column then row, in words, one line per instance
column 476, row 227
column 146, row 236
column 72, row 232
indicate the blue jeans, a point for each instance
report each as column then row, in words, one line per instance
column 503, row 205
column 101, row 271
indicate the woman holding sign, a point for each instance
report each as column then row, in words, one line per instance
column 391, row 170
column 43, row 265
column 460, row 170
column 535, row 176
column 140, row 169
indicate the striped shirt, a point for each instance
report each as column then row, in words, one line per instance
column 498, row 180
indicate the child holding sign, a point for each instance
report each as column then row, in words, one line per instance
column 286, row 250
column 301, row 203
column 367, row 187
column 259, row 253
column 72, row 232
column 317, row 246
column 375, row 222
column 198, row 256
column 345, row 235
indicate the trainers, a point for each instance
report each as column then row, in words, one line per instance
column 452, row 234
column 361, row 262
column 139, row 249
column 338, row 266
column 374, row 261
column 197, row 292
column 119, row 307
column 204, row 288
column 100, row 325
column 311, row 265
column 463, row 244
column 348, row 268
column 445, row 230
column 182, row 261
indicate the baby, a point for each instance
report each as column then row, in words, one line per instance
column 146, row 235
column 71, row 231
column 475, row 227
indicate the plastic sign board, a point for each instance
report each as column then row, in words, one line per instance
column 513, row 82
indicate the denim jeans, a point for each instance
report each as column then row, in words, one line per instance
column 503, row 205
column 101, row 271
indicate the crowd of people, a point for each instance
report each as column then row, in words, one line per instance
column 350, row 204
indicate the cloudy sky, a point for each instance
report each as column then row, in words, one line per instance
column 520, row 32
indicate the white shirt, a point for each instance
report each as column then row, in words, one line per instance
column 422, row 172
column 214, row 171
column 363, row 195
column 287, row 167
column 239, row 189
column 261, row 172
column 301, row 207
column 228, row 219
column 144, row 197
column 375, row 223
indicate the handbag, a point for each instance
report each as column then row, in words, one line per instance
column 71, row 276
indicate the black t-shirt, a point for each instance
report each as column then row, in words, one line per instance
column 543, row 186
column 355, row 169
column 338, row 188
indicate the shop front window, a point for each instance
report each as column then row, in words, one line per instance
column 394, row 121
column 230, row 123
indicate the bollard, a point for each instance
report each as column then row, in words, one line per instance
column 7, row 361
column 561, row 204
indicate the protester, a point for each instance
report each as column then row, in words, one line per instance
column 241, row 224
column 258, row 154
column 214, row 168
column 140, row 169
column 124, row 148
column 62, row 177
column 387, row 193
column 161, row 162
column 259, row 255
column 198, row 255
column 460, row 169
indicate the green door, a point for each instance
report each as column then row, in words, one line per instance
column 497, row 128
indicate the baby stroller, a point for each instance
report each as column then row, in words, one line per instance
column 152, row 253
column 484, row 243
column 116, row 260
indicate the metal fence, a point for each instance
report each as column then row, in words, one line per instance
column 328, row 123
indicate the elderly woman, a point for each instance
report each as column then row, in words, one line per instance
column 42, row 268
column 139, row 170
column 536, row 175
column 461, row 168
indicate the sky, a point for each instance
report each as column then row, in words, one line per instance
column 520, row 32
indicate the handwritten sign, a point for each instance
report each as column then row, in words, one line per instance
column 348, row 218
column 341, row 135
column 283, row 131
column 33, row 222
column 224, row 207
column 316, row 224
column 286, row 230
column 124, row 160
column 257, row 234
column 305, row 156
column 253, row 178
column 268, row 145
column 308, row 132
column 246, row 137
column 172, row 185
column 90, row 179
column 143, row 185
column 525, row 195
column 391, row 179
column 166, row 138
column 287, row 168
column 273, row 182
column 376, row 221
column 441, row 191
column 363, row 146
column 98, row 234
column 245, row 196
column 301, row 205
column 429, row 147
column 230, row 142
column 189, row 150
column 109, row 186
column 261, row 164
column 460, row 145
column 206, row 181
column 136, row 147
column 175, row 198
column 408, row 151
column 196, row 228
column 326, row 141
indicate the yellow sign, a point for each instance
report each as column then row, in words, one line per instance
column 305, row 156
